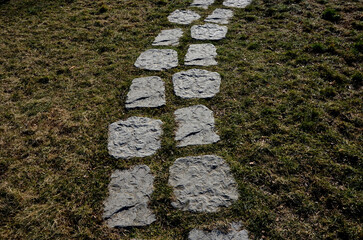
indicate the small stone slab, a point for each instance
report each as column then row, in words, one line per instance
column 202, row 184
column 201, row 55
column 209, row 31
column 220, row 16
column 146, row 92
column 235, row 234
column 168, row 37
column 135, row 137
column 184, row 17
column 202, row 3
column 196, row 83
column 129, row 194
column 195, row 126
column 157, row 59
column 237, row 3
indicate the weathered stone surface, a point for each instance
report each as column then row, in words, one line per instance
column 235, row 234
column 209, row 31
column 157, row 59
column 237, row 3
column 129, row 194
column 135, row 137
column 220, row 16
column 202, row 3
column 146, row 92
column 196, row 83
column 201, row 55
column 202, row 184
column 195, row 126
column 168, row 37
column 184, row 17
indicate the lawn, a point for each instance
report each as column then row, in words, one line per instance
column 289, row 114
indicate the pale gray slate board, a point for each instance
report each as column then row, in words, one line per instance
column 157, row 59
column 236, row 233
column 168, row 37
column 201, row 55
column 237, row 3
column 202, row 184
column 209, row 31
column 202, row 3
column 184, row 17
column 220, row 16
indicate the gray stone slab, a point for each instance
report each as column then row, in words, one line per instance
column 201, row 55
column 134, row 137
column 220, row 16
column 237, row 3
column 184, row 17
column 235, row 234
column 168, row 37
column 146, row 92
column 195, row 126
column 157, row 59
column 129, row 194
column 209, row 31
column 196, row 83
column 202, row 3
column 202, row 184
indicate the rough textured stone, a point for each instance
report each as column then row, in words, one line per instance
column 202, row 3
column 146, row 92
column 196, row 83
column 209, row 31
column 220, row 16
column 235, row 234
column 129, row 194
column 135, row 137
column 183, row 17
column 202, row 184
column 168, row 37
column 201, row 55
column 237, row 3
column 157, row 59
column 196, row 126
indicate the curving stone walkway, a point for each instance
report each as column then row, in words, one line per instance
column 200, row 183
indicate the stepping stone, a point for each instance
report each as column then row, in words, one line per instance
column 237, row 3
column 184, row 17
column 202, row 3
column 168, row 37
column 196, row 126
column 201, row 55
column 135, row 137
column 209, row 31
column 220, row 16
column 146, row 92
column 196, row 83
column 157, row 59
column 236, row 233
column 129, row 194
column 202, row 184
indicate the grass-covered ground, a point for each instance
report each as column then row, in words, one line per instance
column 289, row 114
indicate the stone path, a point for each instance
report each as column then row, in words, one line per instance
column 200, row 183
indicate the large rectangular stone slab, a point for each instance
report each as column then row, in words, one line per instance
column 146, row 92
column 201, row 55
column 220, row 16
column 129, row 194
column 183, row 17
column 157, row 59
column 195, row 126
column 168, row 37
column 237, row 3
column 209, row 31
column 202, row 3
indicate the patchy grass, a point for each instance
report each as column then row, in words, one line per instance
column 289, row 115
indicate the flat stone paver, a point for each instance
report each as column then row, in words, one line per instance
column 168, row 37
column 235, row 234
column 202, row 184
column 196, row 83
column 129, row 194
column 237, row 3
column 195, row 126
column 157, row 59
column 209, row 31
column 220, row 16
column 202, row 3
column 134, row 137
column 146, row 92
column 201, row 55
column 184, row 17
